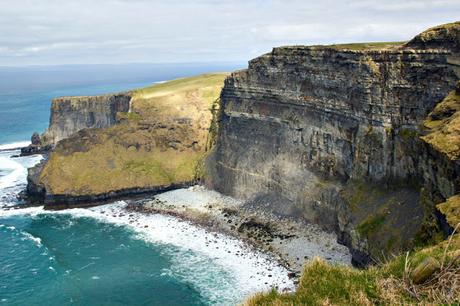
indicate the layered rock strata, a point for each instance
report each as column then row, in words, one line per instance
column 72, row 114
column 104, row 147
column 332, row 136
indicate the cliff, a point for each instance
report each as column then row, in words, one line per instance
column 149, row 140
column 69, row 115
column 361, row 139
column 72, row 114
column 333, row 135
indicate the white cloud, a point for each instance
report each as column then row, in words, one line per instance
column 116, row 31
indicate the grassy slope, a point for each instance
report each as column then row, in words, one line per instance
column 367, row 46
column 451, row 209
column 325, row 284
column 159, row 143
column 444, row 126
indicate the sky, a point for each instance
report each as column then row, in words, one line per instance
column 56, row 32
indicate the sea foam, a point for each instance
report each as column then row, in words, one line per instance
column 222, row 268
column 14, row 145
column 248, row 270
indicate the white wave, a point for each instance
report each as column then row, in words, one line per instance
column 249, row 271
column 14, row 145
column 16, row 169
column 28, row 236
column 225, row 270
column 15, row 175
column 28, row 211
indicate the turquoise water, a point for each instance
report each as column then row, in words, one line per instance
column 95, row 256
column 84, row 262
column 26, row 93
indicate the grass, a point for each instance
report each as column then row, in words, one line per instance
column 370, row 225
column 407, row 133
column 451, row 209
column 160, row 142
column 367, row 46
column 448, row 30
column 182, row 85
column 325, row 284
column 389, row 283
column 443, row 126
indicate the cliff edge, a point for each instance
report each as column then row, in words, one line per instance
column 335, row 135
column 147, row 140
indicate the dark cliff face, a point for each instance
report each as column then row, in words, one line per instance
column 302, row 125
column 72, row 114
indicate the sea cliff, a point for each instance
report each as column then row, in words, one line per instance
column 332, row 134
column 360, row 139
column 147, row 140
column 72, row 114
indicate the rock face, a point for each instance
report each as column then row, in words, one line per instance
column 322, row 131
column 445, row 37
column 36, row 146
column 72, row 114
column 101, row 151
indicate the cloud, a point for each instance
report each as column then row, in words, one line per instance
column 121, row 31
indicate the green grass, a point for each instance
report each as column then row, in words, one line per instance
column 367, row 46
column 451, row 209
column 407, row 133
column 443, row 126
column 325, row 284
column 322, row 283
column 370, row 225
column 182, row 84
column 160, row 142
column 133, row 117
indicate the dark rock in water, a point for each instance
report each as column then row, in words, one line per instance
column 38, row 146
column 36, row 149
column 35, row 139
column 34, row 189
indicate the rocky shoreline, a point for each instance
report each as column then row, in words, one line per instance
column 290, row 241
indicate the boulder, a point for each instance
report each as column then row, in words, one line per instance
column 35, row 139
column 425, row 270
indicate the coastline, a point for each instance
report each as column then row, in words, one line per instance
column 290, row 242
column 240, row 270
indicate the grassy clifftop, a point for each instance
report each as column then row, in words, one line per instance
column 367, row 46
column 158, row 143
column 386, row 284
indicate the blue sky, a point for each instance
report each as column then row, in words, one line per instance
column 43, row 32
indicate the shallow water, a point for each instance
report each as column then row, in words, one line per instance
column 106, row 256
column 59, row 259
column 103, row 255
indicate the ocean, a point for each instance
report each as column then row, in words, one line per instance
column 99, row 256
